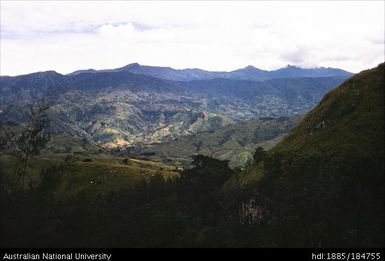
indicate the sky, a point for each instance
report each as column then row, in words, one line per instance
column 214, row 35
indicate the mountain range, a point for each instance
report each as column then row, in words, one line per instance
column 139, row 104
column 247, row 73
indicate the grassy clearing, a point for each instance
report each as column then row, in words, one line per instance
column 99, row 176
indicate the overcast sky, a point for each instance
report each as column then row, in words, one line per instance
column 70, row 35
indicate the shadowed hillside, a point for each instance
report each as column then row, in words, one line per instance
column 323, row 185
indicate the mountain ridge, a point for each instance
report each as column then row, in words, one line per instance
column 247, row 73
column 122, row 108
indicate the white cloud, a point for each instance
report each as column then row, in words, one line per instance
column 66, row 36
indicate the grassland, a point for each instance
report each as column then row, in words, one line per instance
column 91, row 176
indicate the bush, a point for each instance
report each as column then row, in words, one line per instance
column 125, row 161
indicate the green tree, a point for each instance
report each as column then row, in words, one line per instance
column 29, row 140
column 200, row 187
column 259, row 155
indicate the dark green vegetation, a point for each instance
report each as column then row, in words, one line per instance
column 321, row 186
column 125, row 107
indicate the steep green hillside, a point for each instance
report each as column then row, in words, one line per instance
column 347, row 122
column 323, row 185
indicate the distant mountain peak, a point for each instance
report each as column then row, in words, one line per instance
column 250, row 67
column 44, row 74
column 50, row 72
column 291, row 66
column 132, row 65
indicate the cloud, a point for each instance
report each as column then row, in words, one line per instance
column 297, row 56
column 66, row 35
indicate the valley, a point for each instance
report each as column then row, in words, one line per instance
column 116, row 109
column 233, row 142
column 128, row 160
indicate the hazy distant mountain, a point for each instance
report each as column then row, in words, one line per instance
column 247, row 73
column 122, row 107
column 166, row 73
